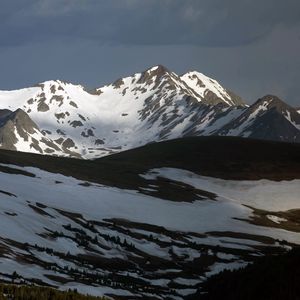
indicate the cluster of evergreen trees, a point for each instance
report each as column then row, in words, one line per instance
column 22, row 292
column 83, row 239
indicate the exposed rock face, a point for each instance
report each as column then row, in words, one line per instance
column 19, row 132
column 15, row 125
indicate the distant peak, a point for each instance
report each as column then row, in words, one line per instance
column 158, row 69
column 158, row 72
column 21, row 117
column 192, row 72
column 197, row 76
column 50, row 83
column 270, row 99
column 19, row 112
column 210, row 89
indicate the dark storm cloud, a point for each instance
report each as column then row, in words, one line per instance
column 250, row 46
column 148, row 22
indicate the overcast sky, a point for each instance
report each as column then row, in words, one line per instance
column 249, row 46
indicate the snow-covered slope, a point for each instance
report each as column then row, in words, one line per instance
column 101, row 240
column 145, row 107
column 210, row 90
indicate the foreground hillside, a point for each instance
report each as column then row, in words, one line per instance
column 151, row 223
column 22, row 292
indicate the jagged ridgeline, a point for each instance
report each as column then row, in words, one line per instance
column 60, row 118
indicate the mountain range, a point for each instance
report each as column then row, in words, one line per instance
column 60, row 118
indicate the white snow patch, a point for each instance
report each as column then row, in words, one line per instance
column 276, row 219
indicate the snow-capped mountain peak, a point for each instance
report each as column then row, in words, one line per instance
column 209, row 89
column 268, row 118
column 270, row 101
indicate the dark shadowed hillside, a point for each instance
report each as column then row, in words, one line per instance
column 223, row 157
column 270, row 277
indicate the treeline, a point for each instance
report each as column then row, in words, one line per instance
column 275, row 277
column 22, row 292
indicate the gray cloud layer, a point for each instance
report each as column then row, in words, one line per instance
column 149, row 22
column 249, row 45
